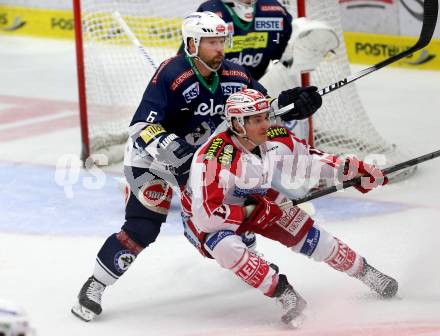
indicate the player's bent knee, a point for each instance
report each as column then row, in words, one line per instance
column 226, row 247
column 141, row 231
column 128, row 242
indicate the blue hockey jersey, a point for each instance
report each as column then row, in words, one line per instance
column 183, row 103
column 259, row 41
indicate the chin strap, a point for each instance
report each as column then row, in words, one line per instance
column 243, row 136
column 247, row 139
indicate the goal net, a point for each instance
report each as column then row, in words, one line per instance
column 116, row 74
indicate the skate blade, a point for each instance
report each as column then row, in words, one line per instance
column 296, row 322
column 82, row 313
column 391, row 290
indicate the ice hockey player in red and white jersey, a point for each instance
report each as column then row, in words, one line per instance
column 229, row 191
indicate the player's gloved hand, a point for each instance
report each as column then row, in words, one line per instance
column 373, row 176
column 265, row 214
column 178, row 154
column 307, row 101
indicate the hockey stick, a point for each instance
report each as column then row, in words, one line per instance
column 430, row 12
column 133, row 39
column 357, row 180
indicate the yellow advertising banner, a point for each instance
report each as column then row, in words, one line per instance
column 39, row 22
column 362, row 48
column 372, row 48
column 50, row 23
column 254, row 40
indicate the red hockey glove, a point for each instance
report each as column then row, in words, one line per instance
column 372, row 176
column 265, row 214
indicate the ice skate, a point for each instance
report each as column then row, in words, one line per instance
column 293, row 304
column 89, row 300
column 382, row 284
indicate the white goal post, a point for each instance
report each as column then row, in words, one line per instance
column 112, row 75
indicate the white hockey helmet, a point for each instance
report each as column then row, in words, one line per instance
column 202, row 24
column 243, row 104
column 13, row 321
column 244, row 9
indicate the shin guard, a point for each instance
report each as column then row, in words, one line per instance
column 115, row 257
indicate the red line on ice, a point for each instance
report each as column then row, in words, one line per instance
column 26, row 109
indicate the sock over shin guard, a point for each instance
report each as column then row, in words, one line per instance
column 322, row 246
column 115, row 257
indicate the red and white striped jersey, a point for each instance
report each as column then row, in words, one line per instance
column 224, row 173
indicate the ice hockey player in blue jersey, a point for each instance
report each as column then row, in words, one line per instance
column 266, row 39
column 261, row 30
column 181, row 107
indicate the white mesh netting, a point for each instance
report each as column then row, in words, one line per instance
column 117, row 74
column 342, row 125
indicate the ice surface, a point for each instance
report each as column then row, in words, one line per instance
column 50, row 234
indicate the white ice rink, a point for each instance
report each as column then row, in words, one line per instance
column 49, row 238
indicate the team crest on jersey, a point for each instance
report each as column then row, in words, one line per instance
column 213, row 148
column 191, row 92
column 277, row 132
column 201, row 133
column 123, row 260
column 227, row 155
column 269, row 24
column 229, row 88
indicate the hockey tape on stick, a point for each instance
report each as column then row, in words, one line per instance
column 430, row 12
column 133, row 39
column 357, row 180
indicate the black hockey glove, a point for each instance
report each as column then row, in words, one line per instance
column 178, row 154
column 307, row 101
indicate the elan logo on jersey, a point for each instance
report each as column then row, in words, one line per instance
column 229, row 88
column 191, row 92
column 211, row 109
column 269, row 24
